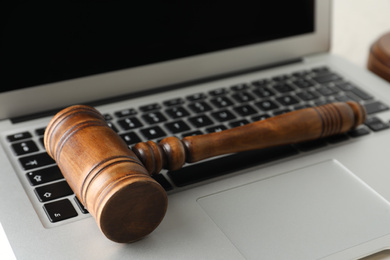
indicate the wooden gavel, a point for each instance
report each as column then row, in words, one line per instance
column 114, row 183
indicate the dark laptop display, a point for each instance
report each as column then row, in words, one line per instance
column 49, row 41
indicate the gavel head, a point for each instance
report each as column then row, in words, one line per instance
column 105, row 175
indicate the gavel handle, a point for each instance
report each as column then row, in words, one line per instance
column 298, row 126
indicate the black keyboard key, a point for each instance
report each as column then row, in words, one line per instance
column 173, row 102
column 112, row 126
column 240, row 87
column 130, row 123
column 35, row 161
column 243, row 97
column 200, row 121
column 362, row 94
column 375, row 107
column 228, row 164
column 261, row 82
column 153, row 132
column 263, row 92
column 53, row 191
column 19, row 136
column 81, row 206
column 130, row 138
column 44, row 176
column 150, row 107
column 303, row 83
column 177, row 127
column 108, row 117
column 287, row 100
column 221, row 102
column 192, row 133
column 59, row 210
column 238, row 123
column 126, row 112
column 360, row 131
column 217, row 128
column 283, row 87
column 267, row 105
column 40, row 131
column 200, row 107
column 23, row 148
column 218, row 92
column 375, row 124
column 163, row 182
column 327, row 77
column 327, row 90
column 196, row 97
column 281, row 111
column 245, row 110
column 260, row 117
column 223, row 115
column 307, row 95
column 154, row 118
column 177, row 112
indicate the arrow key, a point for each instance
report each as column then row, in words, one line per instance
column 53, row 191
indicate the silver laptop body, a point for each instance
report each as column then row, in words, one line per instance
column 326, row 201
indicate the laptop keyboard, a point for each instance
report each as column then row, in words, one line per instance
column 198, row 113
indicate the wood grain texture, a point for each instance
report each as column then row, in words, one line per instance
column 113, row 182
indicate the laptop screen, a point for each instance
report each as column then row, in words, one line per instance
column 49, row 41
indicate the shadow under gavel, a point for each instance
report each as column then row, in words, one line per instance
column 114, row 183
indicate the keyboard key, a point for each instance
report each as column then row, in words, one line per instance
column 218, row 92
column 375, row 124
column 81, row 206
column 238, row 123
column 130, row 123
column 197, row 132
column 200, row 107
column 112, row 126
column 196, row 97
column 154, row 118
column 221, row 102
column 303, row 83
column 243, row 97
column 263, row 92
column 23, row 148
column 108, row 117
column 177, row 127
column 245, row 110
column 173, row 102
column 53, row 191
column 283, row 87
column 327, row 90
column 19, row 136
column 150, row 107
column 153, row 132
column 362, row 94
column 130, row 138
column 287, row 100
column 163, row 182
column 59, row 210
column 375, row 107
column 200, row 121
column 360, row 131
column 44, row 176
column 223, row 115
column 307, row 95
column 240, row 87
column 125, row 112
column 35, row 161
column 40, row 131
column 281, row 111
column 328, row 77
column 228, row 164
column 267, row 105
column 177, row 112
column 215, row 129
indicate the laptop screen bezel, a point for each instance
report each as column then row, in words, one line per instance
column 109, row 85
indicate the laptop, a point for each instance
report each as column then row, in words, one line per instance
column 159, row 69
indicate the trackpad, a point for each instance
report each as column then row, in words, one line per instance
column 308, row 213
